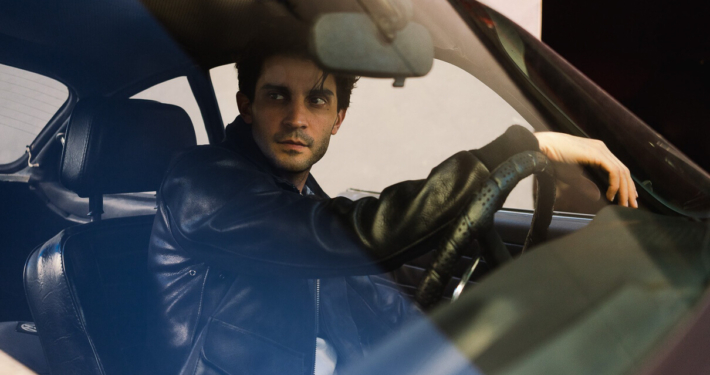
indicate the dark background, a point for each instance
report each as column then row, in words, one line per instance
column 652, row 56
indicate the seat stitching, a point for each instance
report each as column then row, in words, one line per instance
column 75, row 303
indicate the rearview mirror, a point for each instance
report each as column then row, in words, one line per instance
column 351, row 43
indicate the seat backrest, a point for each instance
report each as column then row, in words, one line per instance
column 86, row 286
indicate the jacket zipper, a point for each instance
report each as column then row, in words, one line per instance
column 315, row 350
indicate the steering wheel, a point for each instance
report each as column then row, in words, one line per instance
column 476, row 222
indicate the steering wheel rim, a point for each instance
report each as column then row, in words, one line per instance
column 476, row 221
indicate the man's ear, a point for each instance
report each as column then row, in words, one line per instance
column 244, row 105
column 338, row 121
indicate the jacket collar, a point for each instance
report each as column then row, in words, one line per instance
column 240, row 140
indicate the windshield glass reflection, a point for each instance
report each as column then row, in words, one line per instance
column 659, row 169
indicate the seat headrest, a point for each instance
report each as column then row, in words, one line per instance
column 122, row 145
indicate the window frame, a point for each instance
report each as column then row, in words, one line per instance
column 200, row 87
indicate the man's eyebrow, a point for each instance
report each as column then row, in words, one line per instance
column 270, row 86
column 314, row 91
column 323, row 91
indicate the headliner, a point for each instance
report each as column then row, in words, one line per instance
column 105, row 47
column 94, row 47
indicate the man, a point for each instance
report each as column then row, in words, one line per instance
column 256, row 270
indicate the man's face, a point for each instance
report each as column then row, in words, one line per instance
column 292, row 116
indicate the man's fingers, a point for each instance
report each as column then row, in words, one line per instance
column 632, row 189
column 627, row 185
column 623, row 188
column 614, row 181
column 621, row 185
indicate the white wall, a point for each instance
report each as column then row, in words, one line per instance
column 393, row 134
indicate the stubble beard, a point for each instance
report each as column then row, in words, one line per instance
column 290, row 164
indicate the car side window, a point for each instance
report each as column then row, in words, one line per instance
column 177, row 92
column 395, row 134
column 226, row 85
column 27, row 103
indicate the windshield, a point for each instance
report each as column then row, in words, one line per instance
column 577, row 106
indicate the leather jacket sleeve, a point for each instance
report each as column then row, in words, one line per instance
column 223, row 210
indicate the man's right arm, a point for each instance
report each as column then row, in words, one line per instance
column 223, row 210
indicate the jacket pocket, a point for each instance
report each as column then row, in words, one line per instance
column 233, row 350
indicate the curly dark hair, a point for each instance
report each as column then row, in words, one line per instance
column 251, row 60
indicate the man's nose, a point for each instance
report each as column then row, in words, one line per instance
column 297, row 115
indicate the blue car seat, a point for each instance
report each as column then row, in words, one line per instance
column 86, row 286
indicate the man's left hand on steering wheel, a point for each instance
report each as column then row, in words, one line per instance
column 568, row 149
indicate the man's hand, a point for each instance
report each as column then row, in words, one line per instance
column 564, row 148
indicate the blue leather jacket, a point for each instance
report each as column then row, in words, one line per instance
column 236, row 251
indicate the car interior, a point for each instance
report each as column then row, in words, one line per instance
column 78, row 207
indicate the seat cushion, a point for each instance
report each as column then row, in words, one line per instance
column 20, row 341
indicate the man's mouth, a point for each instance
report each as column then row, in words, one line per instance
column 293, row 145
column 293, row 142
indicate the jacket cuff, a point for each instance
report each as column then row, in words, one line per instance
column 515, row 140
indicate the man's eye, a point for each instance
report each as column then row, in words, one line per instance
column 275, row 96
column 318, row 101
